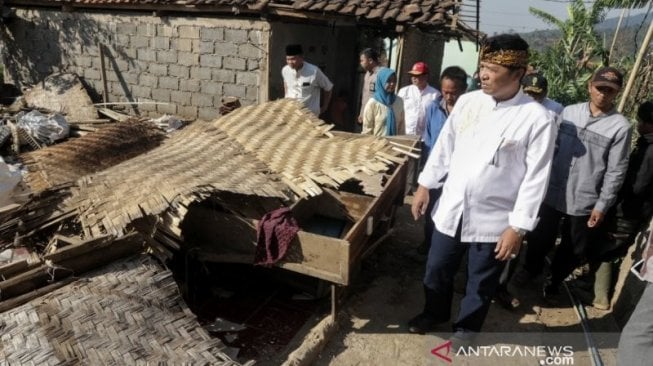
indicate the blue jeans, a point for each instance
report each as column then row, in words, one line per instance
column 636, row 342
column 483, row 272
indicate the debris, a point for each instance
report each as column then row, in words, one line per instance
column 62, row 93
column 5, row 134
column 229, row 104
column 108, row 146
column 231, row 337
column 45, row 129
column 220, row 325
column 113, row 114
column 9, row 179
column 168, row 123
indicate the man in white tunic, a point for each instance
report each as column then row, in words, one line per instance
column 492, row 160
column 304, row 81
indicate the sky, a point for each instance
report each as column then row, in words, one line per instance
column 499, row 16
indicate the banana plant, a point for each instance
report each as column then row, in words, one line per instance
column 568, row 63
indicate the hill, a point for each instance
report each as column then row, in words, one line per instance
column 628, row 40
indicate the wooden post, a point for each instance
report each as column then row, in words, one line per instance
column 638, row 62
column 616, row 33
column 334, row 302
column 105, row 92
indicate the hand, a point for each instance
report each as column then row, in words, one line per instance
column 420, row 202
column 359, row 120
column 508, row 244
column 596, row 218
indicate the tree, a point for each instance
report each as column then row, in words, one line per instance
column 569, row 63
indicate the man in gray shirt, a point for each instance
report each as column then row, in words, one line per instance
column 369, row 61
column 588, row 169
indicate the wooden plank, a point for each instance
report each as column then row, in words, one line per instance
column 12, row 268
column 78, row 249
column 71, row 265
column 99, row 121
column 22, row 299
column 309, row 254
column 382, row 204
column 318, row 256
column 113, row 114
column 355, row 204
column 103, row 73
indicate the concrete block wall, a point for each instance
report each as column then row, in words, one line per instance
column 188, row 63
column 420, row 46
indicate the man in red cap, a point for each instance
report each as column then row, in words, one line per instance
column 417, row 97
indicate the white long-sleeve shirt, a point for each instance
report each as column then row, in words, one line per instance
column 496, row 159
column 415, row 103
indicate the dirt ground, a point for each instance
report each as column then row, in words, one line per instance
column 388, row 291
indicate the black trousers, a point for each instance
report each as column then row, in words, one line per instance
column 578, row 243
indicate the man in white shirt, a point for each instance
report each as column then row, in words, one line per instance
column 304, row 81
column 492, row 160
column 417, row 97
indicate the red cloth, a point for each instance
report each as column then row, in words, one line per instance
column 274, row 233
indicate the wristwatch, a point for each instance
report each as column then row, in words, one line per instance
column 521, row 232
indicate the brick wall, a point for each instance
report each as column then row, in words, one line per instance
column 188, row 62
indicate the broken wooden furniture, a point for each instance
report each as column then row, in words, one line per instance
column 253, row 160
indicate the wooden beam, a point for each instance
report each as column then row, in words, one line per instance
column 9, row 269
column 24, row 298
column 120, row 117
column 72, row 263
column 103, row 73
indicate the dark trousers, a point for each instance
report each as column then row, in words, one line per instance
column 429, row 225
column 578, row 243
column 483, row 272
column 542, row 239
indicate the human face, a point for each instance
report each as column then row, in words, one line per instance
column 391, row 84
column 419, row 80
column 451, row 90
column 499, row 81
column 602, row 97
column 366, row 63
column 295, row 62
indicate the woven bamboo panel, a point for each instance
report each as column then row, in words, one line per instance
column 127, row 313
column 297, row 145
column 266, row 150
column 68, row 161
column 196, row 159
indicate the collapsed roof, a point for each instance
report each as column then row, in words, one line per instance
column 276, row 150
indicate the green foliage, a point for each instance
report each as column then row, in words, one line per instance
column 569, row 62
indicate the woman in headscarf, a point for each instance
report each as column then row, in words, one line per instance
column 384, row 112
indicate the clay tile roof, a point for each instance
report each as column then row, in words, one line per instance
column 428, row 14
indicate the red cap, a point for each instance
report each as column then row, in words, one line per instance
column 420, row 68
